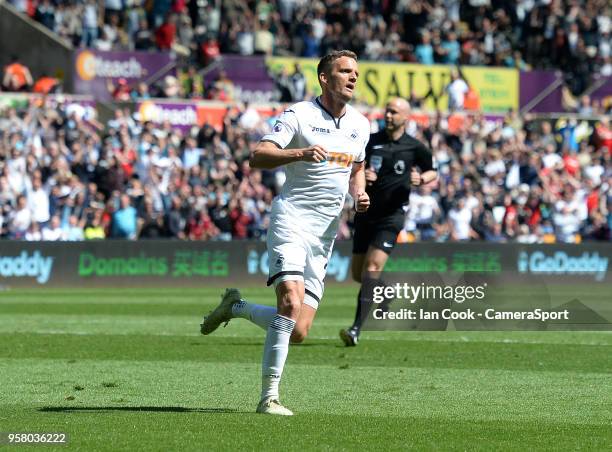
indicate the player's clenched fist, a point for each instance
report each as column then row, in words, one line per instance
column 314, row 153
column 362, row 202
column 415, row 177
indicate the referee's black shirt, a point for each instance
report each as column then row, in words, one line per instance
column 393, row 162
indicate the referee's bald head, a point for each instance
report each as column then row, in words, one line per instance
column 397, row 111
column 400, row 104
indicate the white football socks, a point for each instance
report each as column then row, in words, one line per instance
column 275, row 352
column 276, row 347
column 261, row 315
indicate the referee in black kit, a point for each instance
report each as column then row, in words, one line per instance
column 394, row 162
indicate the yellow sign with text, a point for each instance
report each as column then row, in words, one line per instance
column 498, row 88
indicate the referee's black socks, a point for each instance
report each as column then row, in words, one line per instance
column 365, row 300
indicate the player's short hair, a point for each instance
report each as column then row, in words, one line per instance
column 327, row 61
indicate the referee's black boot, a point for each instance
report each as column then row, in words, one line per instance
column 350, row 336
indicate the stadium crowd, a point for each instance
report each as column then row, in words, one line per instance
column 573, row 35
column 66, row 176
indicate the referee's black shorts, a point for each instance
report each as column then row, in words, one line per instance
column 379, row 232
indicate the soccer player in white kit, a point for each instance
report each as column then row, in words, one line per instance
column 322, row 145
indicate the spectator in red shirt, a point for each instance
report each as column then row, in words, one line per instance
column 603, row 134
column 121, row 91
column 201, row 227
column 165, row 35
column 571, row 163
column 179, row 6
column 210, row 50
column 240, row 218
column 533, row 213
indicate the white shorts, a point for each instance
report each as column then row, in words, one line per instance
column 295, row 255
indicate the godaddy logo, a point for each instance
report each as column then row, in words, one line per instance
column 561, row 263
column 34, row 266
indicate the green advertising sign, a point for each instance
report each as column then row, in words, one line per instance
column 164, row 263
column 183, row 263
column 458, row 261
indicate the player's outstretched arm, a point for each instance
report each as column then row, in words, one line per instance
column 267, row 155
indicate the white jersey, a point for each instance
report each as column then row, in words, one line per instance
column 315, row 191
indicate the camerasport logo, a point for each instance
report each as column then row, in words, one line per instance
column 561, row 263
column 90, row 66
column 26, row 265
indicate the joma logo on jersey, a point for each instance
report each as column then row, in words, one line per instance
column 319, row 130
column 340, row 158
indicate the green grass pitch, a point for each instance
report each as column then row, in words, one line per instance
column 127, row 369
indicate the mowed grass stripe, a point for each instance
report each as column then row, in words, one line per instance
column 591, row 358
column 147, row 428
column 325, row 327
column 207, row 296
column 152, row 309
column 481, row 394
column 104, row 324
